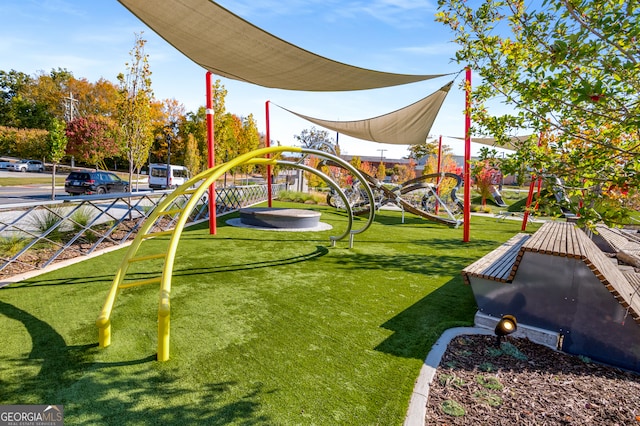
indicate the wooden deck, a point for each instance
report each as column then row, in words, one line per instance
column 620, row 241
column 565, row 240
column 500, row 264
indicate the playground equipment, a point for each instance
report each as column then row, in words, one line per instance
column 196, row 186
column 432, row 196
column 497, row 197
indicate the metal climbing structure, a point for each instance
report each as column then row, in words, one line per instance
column 174, row 207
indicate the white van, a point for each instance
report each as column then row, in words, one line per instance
column 158, row 176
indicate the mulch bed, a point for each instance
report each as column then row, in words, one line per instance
column 523, row 383
column 36, row 258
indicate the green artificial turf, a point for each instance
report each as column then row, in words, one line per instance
column 267, row 328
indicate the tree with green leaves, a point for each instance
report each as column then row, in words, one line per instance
column 18, row 107
column 316, row 139
column 249, row 140
column 57, row 144
column 568, row 72
column 134, row 108
column 192, row 156
column 418, row 151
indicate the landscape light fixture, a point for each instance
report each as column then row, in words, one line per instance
column 505, row 326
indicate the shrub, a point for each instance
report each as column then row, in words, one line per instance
column 302, row 197
column 81, row 218
column 44, row 220
column 11, row 245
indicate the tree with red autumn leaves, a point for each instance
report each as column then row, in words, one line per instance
column 91, row 140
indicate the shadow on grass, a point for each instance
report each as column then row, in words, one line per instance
column 99, row 391
column 177, row 271
column 418, row 327
column 441, row 258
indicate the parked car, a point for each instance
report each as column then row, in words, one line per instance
column 5, row 164
column 26, row 166
column 94, row 182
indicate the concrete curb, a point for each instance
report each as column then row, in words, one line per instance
column 418, row 404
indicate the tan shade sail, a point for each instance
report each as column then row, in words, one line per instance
column 407, row 126
column 231, row 47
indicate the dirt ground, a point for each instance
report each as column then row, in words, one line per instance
column 523, row 383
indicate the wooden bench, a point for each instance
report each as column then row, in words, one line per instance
column 500, row 264
column 560, row 281
column 624, row 244
column 565, row 239
column 634, row 282
column 618, row 239
column 557, row 239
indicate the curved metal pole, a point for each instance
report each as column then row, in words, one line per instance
column 334, row 186
column 357, row 174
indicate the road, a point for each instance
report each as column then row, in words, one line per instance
column 29, row 191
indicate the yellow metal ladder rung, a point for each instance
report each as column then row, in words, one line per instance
column 190, row 191
column 148, row 257
column 141, row 282
column 157, row 234
column 171, row 212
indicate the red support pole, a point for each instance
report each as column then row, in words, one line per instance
column 211, row 156
column 525, row 218
column 267, row 144
column 467, row 157
column 439, row 170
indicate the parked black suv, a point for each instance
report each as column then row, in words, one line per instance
column 94, row 183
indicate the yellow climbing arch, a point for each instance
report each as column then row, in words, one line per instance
column 195, row 187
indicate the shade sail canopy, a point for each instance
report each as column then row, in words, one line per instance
column 407, row 126
column 231, row 47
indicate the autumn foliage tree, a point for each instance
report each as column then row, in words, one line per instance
column 134, row 108
column 91, row 140
column 192, row 158
column 405, row 172
column 483, row 175
column 368, row 168
column 567, row 71
column 381, row 172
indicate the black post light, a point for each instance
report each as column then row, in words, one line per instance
column 505, row 326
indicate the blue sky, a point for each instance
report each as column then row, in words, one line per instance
column 92, row 39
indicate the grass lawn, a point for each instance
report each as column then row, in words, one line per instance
column 268, row 328
column 17, row 181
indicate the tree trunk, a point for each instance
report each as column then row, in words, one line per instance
column 53, row 182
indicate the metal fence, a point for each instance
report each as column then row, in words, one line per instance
column 36, row 234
